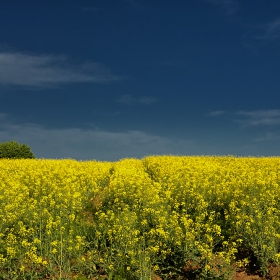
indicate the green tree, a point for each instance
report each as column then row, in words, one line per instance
column 13, row 149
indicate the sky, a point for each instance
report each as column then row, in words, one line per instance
column 110, row 79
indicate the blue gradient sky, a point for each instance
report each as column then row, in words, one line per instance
column 129, row 78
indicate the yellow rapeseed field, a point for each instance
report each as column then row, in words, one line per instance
column 135, row 218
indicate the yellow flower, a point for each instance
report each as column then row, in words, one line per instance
column 54, row 251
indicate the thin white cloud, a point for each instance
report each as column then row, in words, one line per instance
column 129, row 100
column 262, row 34
column 3, row 116
column 125, row 99
column 268, row 136
column 259, row 118
column 270, row 30
column 228, row 6
column 216, row 113
column 43, row 71
column 87, row 144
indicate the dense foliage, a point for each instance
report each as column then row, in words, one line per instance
column 132, row 219
column 15, row 150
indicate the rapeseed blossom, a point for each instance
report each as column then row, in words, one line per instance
column 135, row 217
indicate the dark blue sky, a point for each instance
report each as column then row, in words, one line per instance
column 107, row 79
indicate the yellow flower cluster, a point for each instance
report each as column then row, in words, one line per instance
column 40, row 204
column 138, row 217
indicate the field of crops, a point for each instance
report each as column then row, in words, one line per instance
column 171, row 216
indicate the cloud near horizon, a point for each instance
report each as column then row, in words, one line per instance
column 268, row 136
column 46, row 71
column 89, row 144
column 259, row 117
